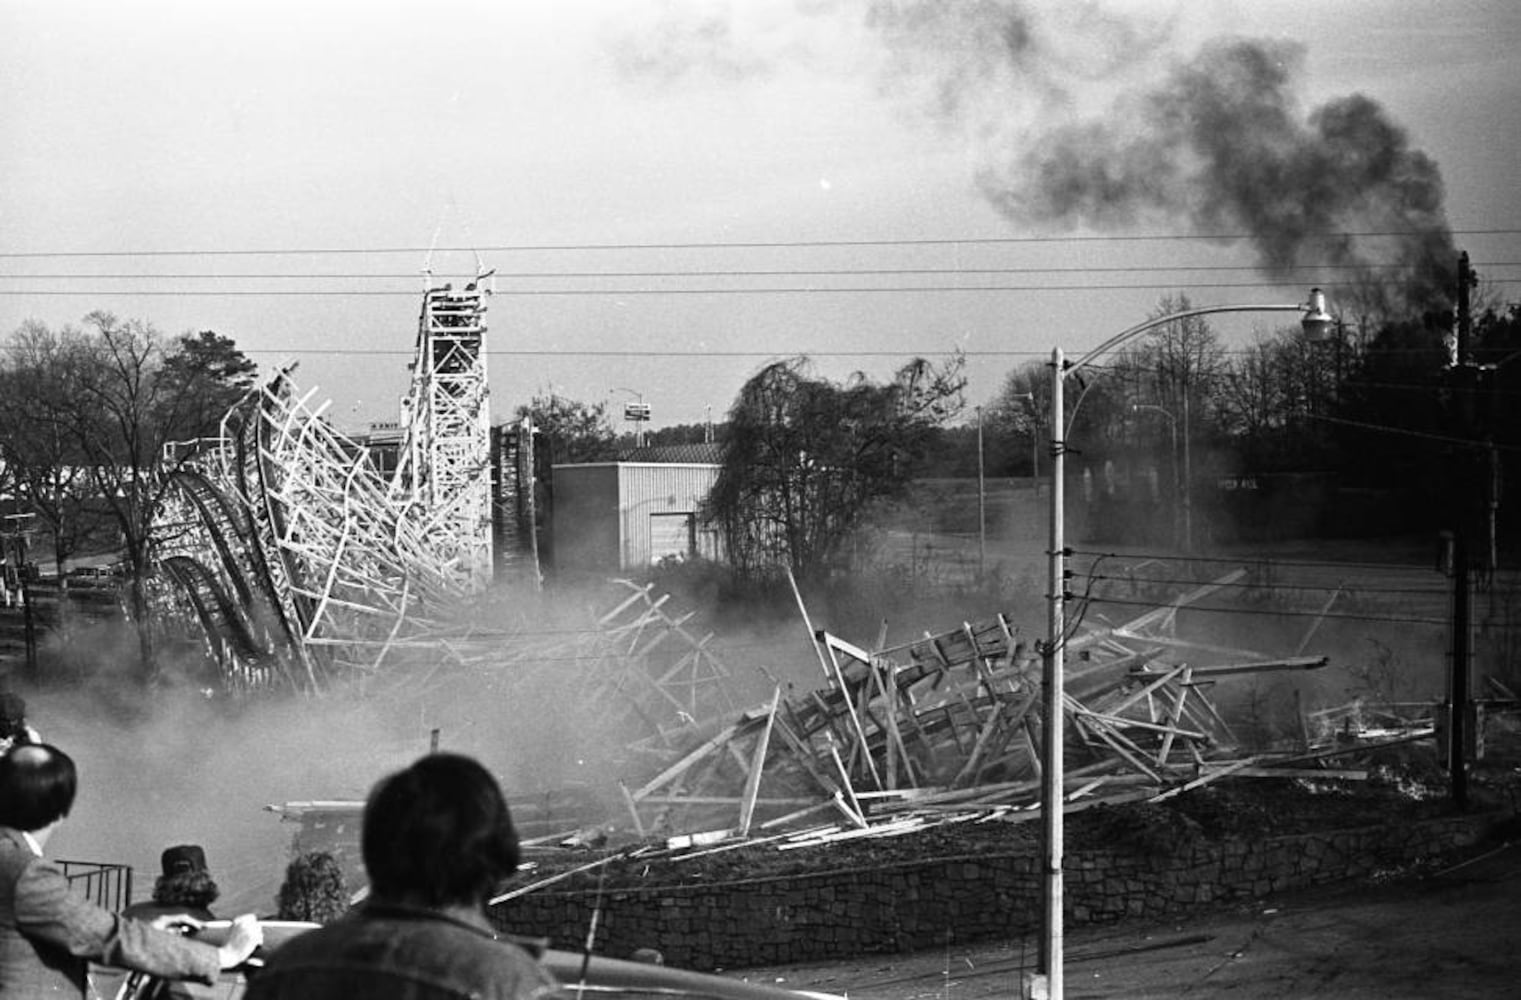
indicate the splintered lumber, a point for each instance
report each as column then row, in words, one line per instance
column 680, row 767
column 949, row 725
column 1278, row 771
column 1005, row 719
column 757, row 764
column 551, row 880
column 807, row 623
column 1264, row 666
column 1204, row 779
column 1148, row 689
column 1319, row 619
column 1180, row 692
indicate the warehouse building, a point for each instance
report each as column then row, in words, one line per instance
column 632, row 513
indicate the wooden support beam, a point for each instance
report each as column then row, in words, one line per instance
column 1179, row 693
column 757, row 765
column 1205, row 779
column 678, row 768
column 1263, row 666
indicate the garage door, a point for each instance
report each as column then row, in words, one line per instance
column 671, row 535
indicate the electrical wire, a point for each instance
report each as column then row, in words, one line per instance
column 1275, row 587
column 735, row 245
column 747, row 273
column 1237, row 560
column 633, row 292
column 1342, row 615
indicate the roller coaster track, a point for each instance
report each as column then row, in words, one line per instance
column 221, row 617
column 289, row 545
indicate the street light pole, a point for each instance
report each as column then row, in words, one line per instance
column 1317, row 323
column 1177, row 474
column 982, row 506
column 638, row 417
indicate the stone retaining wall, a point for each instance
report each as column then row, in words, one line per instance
column 923, row 904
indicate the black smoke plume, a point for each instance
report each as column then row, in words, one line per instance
column 1222, row 146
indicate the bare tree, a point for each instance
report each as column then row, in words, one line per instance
column 101, row 406
column 40, row 451
column 1019, row 414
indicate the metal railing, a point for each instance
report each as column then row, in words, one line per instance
column 105, row 885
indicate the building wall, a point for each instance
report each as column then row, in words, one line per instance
column 584, row 517
column 651, row 497
column 618, row 516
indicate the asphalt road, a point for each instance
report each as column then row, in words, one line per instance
column 1451, row 933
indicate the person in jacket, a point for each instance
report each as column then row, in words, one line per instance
column 48, row 932
column 437, row 840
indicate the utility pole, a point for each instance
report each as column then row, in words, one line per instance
column 19, row 533
column 1464, row 381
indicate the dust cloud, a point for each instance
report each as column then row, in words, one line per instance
column 183, row 769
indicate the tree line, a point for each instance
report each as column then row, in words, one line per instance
column 87, row 414
column 86, row 417
column 1379, row 411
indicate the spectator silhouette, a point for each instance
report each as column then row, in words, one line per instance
column 313, row 890
column 437, row 841
column 186, row 886
column 48, row 933
column 14, row 728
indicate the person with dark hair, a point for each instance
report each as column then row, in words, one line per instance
column 48, row 933
column 437, row 840
column 186, row 886
column 14, row 728
column 185, row 889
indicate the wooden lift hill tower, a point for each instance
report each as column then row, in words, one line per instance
column 445, row 465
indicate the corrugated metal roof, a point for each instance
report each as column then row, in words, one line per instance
column 675, row 454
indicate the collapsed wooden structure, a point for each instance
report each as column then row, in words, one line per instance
column 305, row 565
column 950, row 725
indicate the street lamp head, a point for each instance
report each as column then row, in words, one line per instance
column 1317, row 323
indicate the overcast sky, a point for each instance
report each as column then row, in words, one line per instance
column 670, row 192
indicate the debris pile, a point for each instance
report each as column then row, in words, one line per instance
column 949, row 728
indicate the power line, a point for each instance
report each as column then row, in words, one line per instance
column 727, row 273
column 1351, row 590
column 732, row 245
column 633, row 292
column 1318, row 614
column 644, row 353
column 1238, row 560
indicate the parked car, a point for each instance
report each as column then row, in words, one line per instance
column 597, row 977
column 95, row 577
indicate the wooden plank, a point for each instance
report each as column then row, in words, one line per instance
column 1006, row 717
column 1263, row 666
column 1206, row 779
column 721, row 737
column 717, row 800
column 1117, row 723
column 633, row 808
column 855, row 719
column 1271, row 771
column 1143, row 692
column 807, row 624
column 793, row 817
column 1180, row 692
column 757, row 764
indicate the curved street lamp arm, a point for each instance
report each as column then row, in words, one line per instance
column 1151, row 324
